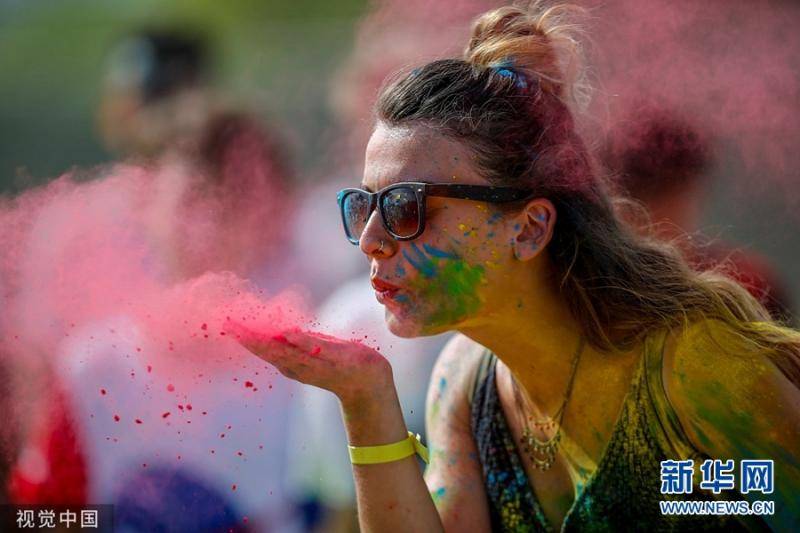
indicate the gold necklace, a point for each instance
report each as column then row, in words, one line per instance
column 543, row 453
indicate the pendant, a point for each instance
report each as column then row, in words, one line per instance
column 542, row 454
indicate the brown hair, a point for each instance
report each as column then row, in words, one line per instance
column 509, row 99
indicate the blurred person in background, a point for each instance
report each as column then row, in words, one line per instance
column 215, row 197
column 159, row 109
column 664, row 160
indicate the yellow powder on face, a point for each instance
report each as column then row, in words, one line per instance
column 491, row 264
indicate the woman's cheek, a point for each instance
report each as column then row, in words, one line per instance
column 445, row 288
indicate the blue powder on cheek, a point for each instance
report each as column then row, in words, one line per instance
column 402, row 298
column 442, row 384
column 516, row 227
column 400, row 271
column 490, row 235
column 436, row 252
column 422, row 263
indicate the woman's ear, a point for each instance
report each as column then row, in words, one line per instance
column 533, row 228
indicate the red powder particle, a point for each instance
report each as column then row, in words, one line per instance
column 222, row 333
column 103, row 392
column 138, row 349
column 212, row 451
column 144, row 465
column 239, row 454
column 222, row 435
column 233, row 487
column 171, row 387
column 260, row 446
column 204, row 327
column 180, row 407
column 248, row 384
column 280, row 338
column 315, row 350
column 205, row 412
column 138, row 421
column 189, row 406
column 149, row 369
column 116, row 418
column 165, row 415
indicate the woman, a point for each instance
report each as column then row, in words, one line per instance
column 587, row 355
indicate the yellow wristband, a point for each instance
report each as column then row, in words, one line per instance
column 386, row 453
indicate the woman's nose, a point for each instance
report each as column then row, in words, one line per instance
column 375, row 241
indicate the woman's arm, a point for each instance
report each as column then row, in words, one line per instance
column 454, row 475
column 392, row 497
column 735, row 404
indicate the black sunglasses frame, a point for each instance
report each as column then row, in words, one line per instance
column 482, row 193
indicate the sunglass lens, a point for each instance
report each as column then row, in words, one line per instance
column 355, row 207
column 401, row 211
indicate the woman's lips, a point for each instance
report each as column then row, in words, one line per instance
column 385, row 292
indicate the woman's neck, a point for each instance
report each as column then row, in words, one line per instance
column 536, row 337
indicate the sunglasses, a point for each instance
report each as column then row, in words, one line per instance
column 402, row 205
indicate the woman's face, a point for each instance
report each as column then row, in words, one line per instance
column 461, row 270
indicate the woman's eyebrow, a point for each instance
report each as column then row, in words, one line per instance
column 410, row 180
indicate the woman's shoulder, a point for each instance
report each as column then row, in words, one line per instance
column 460, row 358
column 716, row 341
column 734, row 401
column 461, row 348
column 456, row 369
column 710, row 365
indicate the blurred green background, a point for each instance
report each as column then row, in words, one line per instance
column 277, row 54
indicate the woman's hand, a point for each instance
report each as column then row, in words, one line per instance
column 352, row 371
column 391, row 496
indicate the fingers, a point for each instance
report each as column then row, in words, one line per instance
column 274, row 349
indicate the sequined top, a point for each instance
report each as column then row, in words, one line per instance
column 624, row 490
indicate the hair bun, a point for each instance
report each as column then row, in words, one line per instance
column 541, row 42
